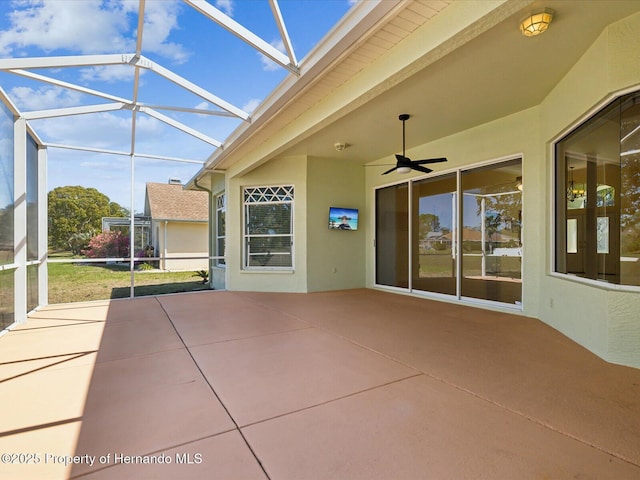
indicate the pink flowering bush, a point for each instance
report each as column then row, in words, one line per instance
column 108, row 245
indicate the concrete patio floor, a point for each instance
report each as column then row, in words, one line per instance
column 357, row 384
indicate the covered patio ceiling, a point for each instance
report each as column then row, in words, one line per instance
column 485, row 71
column 468, row 77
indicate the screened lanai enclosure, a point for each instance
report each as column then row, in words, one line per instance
column 104, row 119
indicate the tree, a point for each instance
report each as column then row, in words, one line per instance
column 428, row 222
column 75, row 216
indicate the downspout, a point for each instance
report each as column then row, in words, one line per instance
column 209, row 230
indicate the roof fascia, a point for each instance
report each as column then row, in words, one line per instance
column 346, row 35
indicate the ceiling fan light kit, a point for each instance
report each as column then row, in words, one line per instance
column 404, row 164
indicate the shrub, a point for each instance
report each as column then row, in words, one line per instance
column 108, row 245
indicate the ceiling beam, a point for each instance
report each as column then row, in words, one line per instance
column 70, row 86
column 244, row 34
column 121, row 153
column 66, row 61
column 192, row 87
column 275, row 8
column 181, row 126
column 65, row 112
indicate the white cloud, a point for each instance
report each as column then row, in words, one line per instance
column 29, row 99
column 90, row 27
column 251, row 105
column 202, row 106
column 269, row 65
column 105, row 130
column 109, row 73
column 226, row 6
column 78, row 26
column 161, row 17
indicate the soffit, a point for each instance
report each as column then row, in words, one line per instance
column 404, row 20
column 496, row 73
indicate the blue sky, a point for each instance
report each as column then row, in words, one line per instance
column 176, row 37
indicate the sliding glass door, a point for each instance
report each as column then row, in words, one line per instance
column 434, row 220
column 392, row 236
column 456, row 234
column 491, row 232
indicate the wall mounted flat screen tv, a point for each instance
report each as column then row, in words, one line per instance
column 343, row 218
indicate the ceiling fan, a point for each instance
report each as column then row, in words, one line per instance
column 405, row 164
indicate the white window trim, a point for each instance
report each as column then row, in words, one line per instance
column 245, row 266
column 221, row 206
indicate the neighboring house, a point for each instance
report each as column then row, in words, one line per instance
column 179, row 225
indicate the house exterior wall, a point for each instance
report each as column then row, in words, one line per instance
column 280, row 171
column 604, row 318
column 182, row 239
column 335, row 258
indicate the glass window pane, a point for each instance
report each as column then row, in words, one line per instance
column 32, row 199
column 268, row 233
column 271, row 219
column 491, row 233
column 598, row 196
column 434, row 234
column 32, row 287
column 269, row 251
column 630, row 192
column 392, row 236
column 6, row 186
column 7, row 299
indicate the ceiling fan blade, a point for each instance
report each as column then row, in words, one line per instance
column 402, row 158
column 390, row 170
column 430, row 160
column 421, row 169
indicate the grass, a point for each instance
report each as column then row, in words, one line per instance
column 74, row 282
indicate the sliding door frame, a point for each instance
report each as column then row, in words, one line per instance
column 458, row 237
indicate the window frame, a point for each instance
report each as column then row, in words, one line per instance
column 221, row 209
column 559, row 178
column 267, row 195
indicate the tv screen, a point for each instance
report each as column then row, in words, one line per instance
column 343, row 218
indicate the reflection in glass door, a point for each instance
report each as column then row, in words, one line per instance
column 434, row 234
column 491, row 232
column 456, row 234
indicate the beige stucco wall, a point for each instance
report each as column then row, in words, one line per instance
column 280, row 171
column 336, row 258
column 182, row 239
column 604, row 318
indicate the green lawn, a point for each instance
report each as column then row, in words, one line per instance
column 74, row 282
